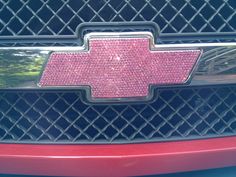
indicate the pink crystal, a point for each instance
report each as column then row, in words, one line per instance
column 118, row 68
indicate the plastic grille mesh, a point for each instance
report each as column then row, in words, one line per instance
column 63, row 117
column 62, row 17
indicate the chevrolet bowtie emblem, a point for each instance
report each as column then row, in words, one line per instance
column 119, row 65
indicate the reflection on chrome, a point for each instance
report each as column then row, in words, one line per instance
column 221, row 60
column 21, row 67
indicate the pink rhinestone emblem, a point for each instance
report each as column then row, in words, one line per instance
column 119, row 67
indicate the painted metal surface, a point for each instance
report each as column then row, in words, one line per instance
column 117, row 160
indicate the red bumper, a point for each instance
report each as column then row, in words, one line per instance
column 117, row 160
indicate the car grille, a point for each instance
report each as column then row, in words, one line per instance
column 63, row 117
column 47, row 17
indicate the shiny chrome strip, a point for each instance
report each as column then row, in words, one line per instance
column 20, row 67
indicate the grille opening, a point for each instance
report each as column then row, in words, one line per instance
column 33, row 116
column 30, row 18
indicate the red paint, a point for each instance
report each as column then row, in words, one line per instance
column 118, row 68
column 117, row 160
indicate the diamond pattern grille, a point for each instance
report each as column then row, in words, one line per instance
column 63, row 117
column 47, row 17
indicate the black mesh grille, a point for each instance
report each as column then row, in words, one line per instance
column 63, row 117
column 61, row 17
